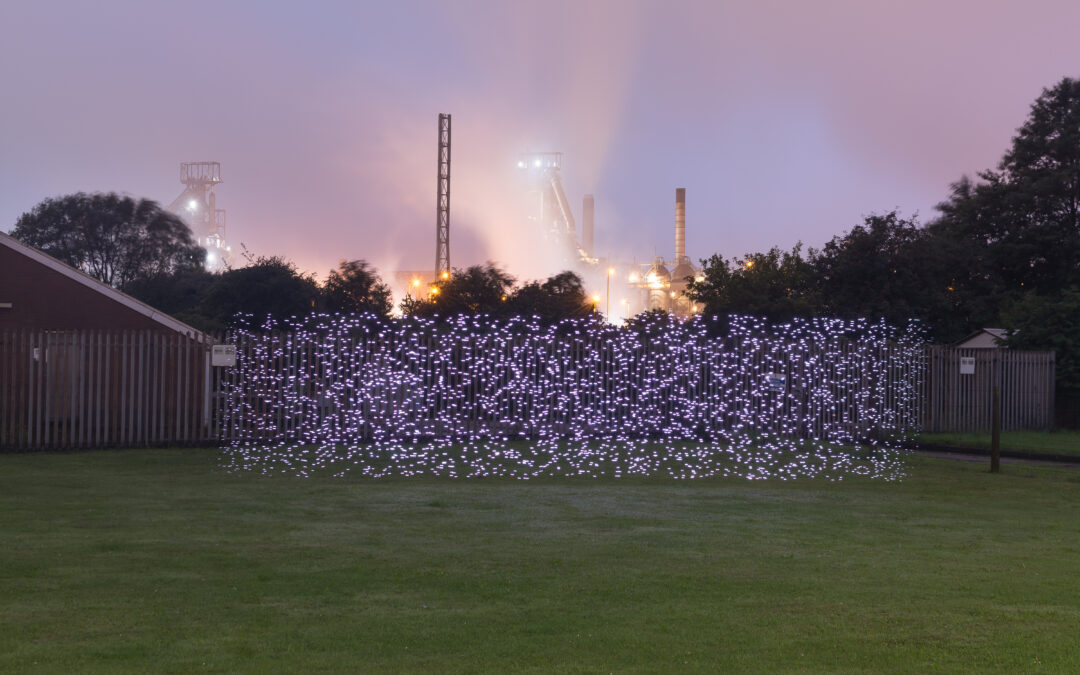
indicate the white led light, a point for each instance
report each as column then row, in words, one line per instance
column 477, row 397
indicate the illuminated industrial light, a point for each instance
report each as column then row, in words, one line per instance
column 434, row 290
column 536, row 163
column 521, row 164
column 415, row 282
column 596, row 298
column 610, row 271
column 192, row 205
column 445, row 275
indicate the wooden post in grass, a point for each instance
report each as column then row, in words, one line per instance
column 995, row 432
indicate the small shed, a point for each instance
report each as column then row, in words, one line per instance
column 38, row 292
column 84, row 365
column 984, row 338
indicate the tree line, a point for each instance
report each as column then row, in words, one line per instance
column 1004, row 251
column 150, row 254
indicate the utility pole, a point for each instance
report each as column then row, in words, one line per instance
column 995, row 417
column 995, row 432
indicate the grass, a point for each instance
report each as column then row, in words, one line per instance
column 1057, row 442
column 135, row 561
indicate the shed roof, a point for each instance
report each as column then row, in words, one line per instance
column 996, row 334
column 104, row 289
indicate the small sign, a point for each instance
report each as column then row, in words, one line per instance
column 776, row 381
column 223, row 355
column 967, row 365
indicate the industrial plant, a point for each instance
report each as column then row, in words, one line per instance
column 197, row 205
column 622, row 289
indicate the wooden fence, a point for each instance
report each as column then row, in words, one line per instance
column 957, row 399
column 75, row 389
column 137, row 388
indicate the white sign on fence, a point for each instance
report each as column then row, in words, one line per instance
column 967, row 365
column 776, row 381
column 223, row 355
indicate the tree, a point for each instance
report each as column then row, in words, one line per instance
column 887, row 268
column 778, row 285
column 115, row 239
column 355, row 287
column 1023, row 220
column 651, row 323
column 269, row 287
column 561, row 296
column 179, row 294
column 1039, row 179
column 974, row 281
column 480, row 289
column 1050, row 322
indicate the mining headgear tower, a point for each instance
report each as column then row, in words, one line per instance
column 551, row 210
column 197, row 204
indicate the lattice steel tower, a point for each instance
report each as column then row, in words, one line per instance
column 197, row 204
column 442, row 201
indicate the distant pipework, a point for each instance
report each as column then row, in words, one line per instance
column 570, row 234
column 587, row 225
column 680, row 224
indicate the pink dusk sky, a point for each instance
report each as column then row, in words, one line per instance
column 785, row 121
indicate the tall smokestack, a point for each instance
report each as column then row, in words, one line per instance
column 680, row 224
column 587, row 225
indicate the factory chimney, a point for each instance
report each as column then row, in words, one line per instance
column 587, row 225
column 680, row 224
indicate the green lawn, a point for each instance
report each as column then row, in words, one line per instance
column 159, row 561
column 1057, row 442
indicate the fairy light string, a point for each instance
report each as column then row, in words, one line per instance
column 478, row 397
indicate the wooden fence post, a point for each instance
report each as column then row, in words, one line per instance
column 995, row 433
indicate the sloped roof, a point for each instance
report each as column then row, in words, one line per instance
column 996, row 333
column 90, row 282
